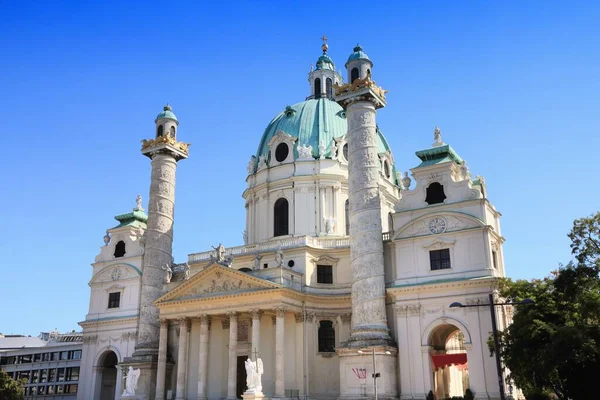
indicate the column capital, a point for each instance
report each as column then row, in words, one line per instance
column 233, row 315
column 299, row 317
column 280, row 311
column 256, row 313
column 204, row 318
column 164, row 323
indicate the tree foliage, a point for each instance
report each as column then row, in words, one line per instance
column 9, row 388
column 555, row 344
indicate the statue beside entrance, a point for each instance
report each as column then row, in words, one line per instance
column 254, row 371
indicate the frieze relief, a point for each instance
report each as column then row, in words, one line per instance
column 114, row 274
column 126, row 336
column 220, row 283
column 409, row 310
column 91, row 339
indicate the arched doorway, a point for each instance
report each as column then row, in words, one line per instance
column 107, row 377
column 450, row 368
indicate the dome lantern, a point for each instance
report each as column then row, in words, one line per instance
column 323, row 76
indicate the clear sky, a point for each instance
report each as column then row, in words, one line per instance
column 513, row 86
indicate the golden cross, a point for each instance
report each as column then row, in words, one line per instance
column 324, row 39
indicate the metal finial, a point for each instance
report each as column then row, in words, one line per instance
column 324, row 47
column 437, row 137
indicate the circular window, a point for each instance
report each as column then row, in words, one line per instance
column 281, row 152
column 291, row 263
column 345, row 151
column 386, row 170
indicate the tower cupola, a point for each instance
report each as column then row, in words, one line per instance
column 323, row 77
column 166, row 123
column 358, row 65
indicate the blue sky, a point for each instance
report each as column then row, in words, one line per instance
column 513, row 86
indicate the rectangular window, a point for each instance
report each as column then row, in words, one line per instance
column 64, row 355
column 33, row 390
column 114, row 299
column 495, row 259
column 70, row 388
column 23, row 375
column 439, row 259
column 51, row 375
column 41, row 389
column 34, row 376
column 46, row 357
column 53, row 356
column 37, row 357
column 25, row 359
column 72, row 374
column 60, row 375
column 58, row 389
column 76, row 355
column 49, row 389
column 43, row 375
column 7, row 360
column 324, row 274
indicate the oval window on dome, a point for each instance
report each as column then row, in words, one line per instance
column 281, row 152
column 345, row 151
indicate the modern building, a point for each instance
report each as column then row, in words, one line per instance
column 51, row 369
column 347, row 269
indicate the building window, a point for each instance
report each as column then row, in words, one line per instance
column 329, row 88
column 43, row 376
column 76, row 355
column 25, row 359
column 60, row 375
column 318, row 88
column 72, row 374
column 386, row 169
column 326, row 337
column 281, row 152
column 281, row 217
column 37, row 357
column 159, row 131
column 353, row 75
column 347, row 215
column 439, row 259
column 59, row 389
column 173, row 132
column 41, row 389
column 34, row 376
column 495, row 259
column 114, row 299
column 64, row 355
column 119, row 249
column 324, row 274
column 46, row 357
column 49, row 389
column 51, row 375
column 71, row 389
column 345, row 151
column 435, row 194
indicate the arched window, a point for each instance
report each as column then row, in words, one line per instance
column 173, row 132
column 435, row 193
column 281, row 218
column 159, row 131
column 390, row 222
column 329, row 88
column 353, row 74
column 326, row 337
column 318, row 88
column 345, row 151
column 386, row 169
column 347, row 212
column 120, row 249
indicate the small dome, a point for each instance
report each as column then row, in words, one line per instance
column 312, row 121
column 358, row 54
column 166, row 113
column 325, row 62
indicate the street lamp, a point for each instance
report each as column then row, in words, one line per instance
column 375, row 374
column 492, row 305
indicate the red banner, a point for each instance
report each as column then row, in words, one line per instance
column 444, row 360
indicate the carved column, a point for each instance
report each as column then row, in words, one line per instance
column 184, row 326
column 162, row 359
column 232, row 369
column 256, row 314
column 279, row 352
column 203, row 358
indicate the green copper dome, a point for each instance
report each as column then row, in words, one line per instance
column 325, row 62
column 358, row 54
column 312, row 121
column 166, row 113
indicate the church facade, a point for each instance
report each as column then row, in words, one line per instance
column 347, row 269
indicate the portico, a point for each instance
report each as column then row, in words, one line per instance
column 221, row 311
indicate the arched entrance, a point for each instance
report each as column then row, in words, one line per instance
column 448, row 361
column 106, row 382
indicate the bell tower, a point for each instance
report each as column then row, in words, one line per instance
column 164, row 152
column 369, row 335
column 323, row 77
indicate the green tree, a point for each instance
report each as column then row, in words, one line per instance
column 9, row 388
column 555, row 344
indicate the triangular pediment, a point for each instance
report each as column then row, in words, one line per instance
column 216, row 280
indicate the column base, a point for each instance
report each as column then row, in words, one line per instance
column 251, row 395
column 353, row 363
column 132, row 397
column 146, row 385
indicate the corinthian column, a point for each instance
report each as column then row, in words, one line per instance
column 203, row 358
column 254, row 351
column 279, row 352
column 162, row 359
column 184, row 325
column 232, row 370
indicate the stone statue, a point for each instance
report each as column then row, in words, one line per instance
column 131, row 381
column 305, row 152
column 254, row 371
column 279, row 258
column 138, row 202
column 465, row 171
column 220, row 253
column 186, row 271
column 437, row 137
column 169, row 272
column 329, row 225
column 262, row 162
column 333, row 150
column 256, row 262
column 322, row 149
column 245, row 236
column 251, row 165
column 406, row 181
column 107, row 238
